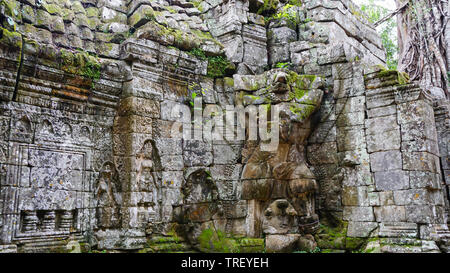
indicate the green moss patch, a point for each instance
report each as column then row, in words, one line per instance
column 10, row 39
column 80, row 63
column 332, row 237
column 211, row 240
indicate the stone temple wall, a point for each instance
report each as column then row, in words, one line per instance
column 93, row 94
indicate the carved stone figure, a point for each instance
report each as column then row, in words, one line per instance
column 108, row 214
column 280, row 182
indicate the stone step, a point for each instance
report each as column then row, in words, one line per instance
column 167, row 248
column 164, row 239
column 166, row 244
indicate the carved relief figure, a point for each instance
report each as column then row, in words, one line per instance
column 46, row 128
column 148, row 183
column 108, row 214
column 200, row 203
column 279, row 185
column 66, row 131
column 85, row 133
column 22, row 129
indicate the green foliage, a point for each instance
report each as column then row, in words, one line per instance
column 288, row 12
column 387, row 31
column 315, row 250
column 282, row 65
column 91, row 70
column 217, row 65
column 269, row 6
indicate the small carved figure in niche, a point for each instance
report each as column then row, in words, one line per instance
column 108, row 215
column 66, row 131
column 22, row 129
column 199, row 187
column 23, row 125
column 149, row 181
column 46, row 128
column 3, row 152
column 85, row 134
column 200, row 203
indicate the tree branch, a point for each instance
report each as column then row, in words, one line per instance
column 390, row 15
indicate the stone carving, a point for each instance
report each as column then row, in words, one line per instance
column 149, row 184
column 85, row 133
column 200, row 204
column 66, row 130
column 29, row 221
column 46, row 128
column 281, row 181
column 49, row 221
column 106, row 193
column 22, row 130
column 280, row 218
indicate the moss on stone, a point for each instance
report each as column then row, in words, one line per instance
column 43, row 18
column 10, row 39
column 11, row 9
column 67, row 14
column 92, row 23
column 303, row 82
column 91, row 12
column 80, row 63
column 228, row 81
column 142, row 16
column 302, row 110
column 211, row 240
column 400, row 77
column 353, row 243
column 250, row 245
column 52, row 9
column 170, row 9
column 77, row 7
column 329, row 237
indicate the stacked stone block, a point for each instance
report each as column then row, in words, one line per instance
column 404, row 159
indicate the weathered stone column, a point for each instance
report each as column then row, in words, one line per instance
column 408, row 199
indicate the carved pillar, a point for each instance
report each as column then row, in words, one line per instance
column 442, row 118
column 408, row 197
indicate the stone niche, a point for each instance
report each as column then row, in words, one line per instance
column 48, row 177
